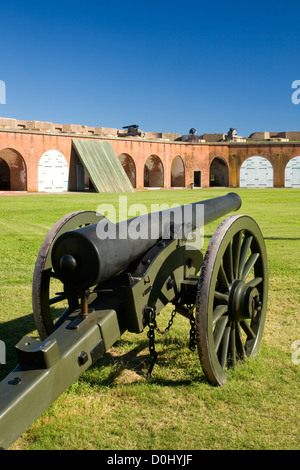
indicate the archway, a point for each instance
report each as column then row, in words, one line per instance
column 4, row 176
column 53, row 172
column 129, row 167
column 153, row 172
column 13, row 174
column 218, row 175
column 256, row 172
column 177, row 173
column 292, row 173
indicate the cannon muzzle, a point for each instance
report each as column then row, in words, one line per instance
column 89, row 255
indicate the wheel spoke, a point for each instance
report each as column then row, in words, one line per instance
column 244, row 253
column 228, row 262
column 248, row 330
column 222, row 278
column 232, row 347
column 249, row 265
column 53, row 275
column 239, row 343
column 254, row 282
column 57, row 299
column 224, row 347
column 220, row 296
column 62, row 318
column 218, row 312
column 236, row 251
column 219, row 331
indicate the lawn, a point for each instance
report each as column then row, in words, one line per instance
column 112, row 406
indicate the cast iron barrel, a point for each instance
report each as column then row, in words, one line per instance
column 89, row 255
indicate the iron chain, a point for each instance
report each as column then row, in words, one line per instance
column 153, row 353
column 151, row 335
column 163, row 332
column 193, row 343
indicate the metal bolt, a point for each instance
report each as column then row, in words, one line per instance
column 146, row 261
column 16, row 381
column 82, row 358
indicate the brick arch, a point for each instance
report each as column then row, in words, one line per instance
column 14, row 170
column 254, row 154
column 219, row 172
column 129, row 166
column 153, row 172
column 237, row 158
column 265, row 155
column 177, row 172
column 290, row 157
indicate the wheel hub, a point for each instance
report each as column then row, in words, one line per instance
column 244, row 302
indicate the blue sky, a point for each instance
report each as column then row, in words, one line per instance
column 164, row 65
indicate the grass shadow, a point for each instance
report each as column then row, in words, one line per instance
column 113, row 368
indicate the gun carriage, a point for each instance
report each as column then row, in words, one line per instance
column 121, row 283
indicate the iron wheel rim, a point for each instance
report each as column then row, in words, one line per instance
column 234, row 274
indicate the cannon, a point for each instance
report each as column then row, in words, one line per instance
column 111, row 281
column 132, row 130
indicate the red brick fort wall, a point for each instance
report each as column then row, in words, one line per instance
column 196, row 156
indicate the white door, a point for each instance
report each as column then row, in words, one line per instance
column 292, row 173
column 53, row 172
column 256, row 172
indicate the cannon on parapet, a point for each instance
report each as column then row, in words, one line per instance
column 122, row 282
column 132, row 131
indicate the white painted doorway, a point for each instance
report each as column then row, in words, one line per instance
column 292, row 173
column 256, row 172
column 53, row 172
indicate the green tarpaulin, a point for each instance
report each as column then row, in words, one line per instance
column 103, row 166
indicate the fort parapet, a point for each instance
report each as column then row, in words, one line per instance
column 40, row 126
column 34, row 153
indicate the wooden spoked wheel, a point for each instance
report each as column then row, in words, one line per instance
column 231, row 297
column 50, row 298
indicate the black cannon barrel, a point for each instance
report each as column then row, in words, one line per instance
column 89, row 255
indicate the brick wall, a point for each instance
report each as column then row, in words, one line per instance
column 30, row 144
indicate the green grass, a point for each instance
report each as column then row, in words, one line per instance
column 112, row 406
